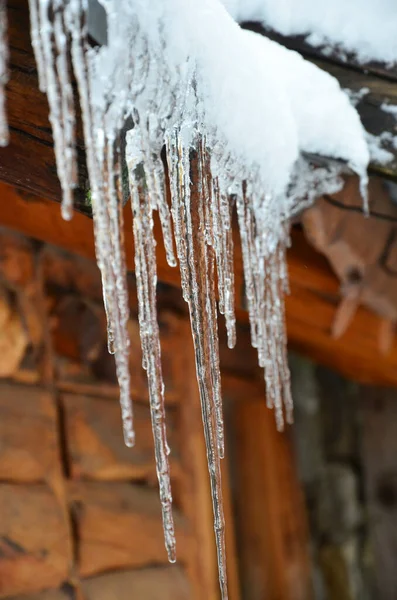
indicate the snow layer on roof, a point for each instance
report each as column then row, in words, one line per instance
column 366, row 28
column 243, row 95
column 266, row 101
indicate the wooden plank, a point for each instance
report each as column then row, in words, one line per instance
column 379, row 411
column 269, row 509
column 94, row 439
column 361, row 250
column 34, row 546
column 167, row 583
column 13, row 336
column 119, row 526
column 28, row 434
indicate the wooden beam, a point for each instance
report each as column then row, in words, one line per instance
column 310, row 307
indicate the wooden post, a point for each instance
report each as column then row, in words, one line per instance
column 270, row 514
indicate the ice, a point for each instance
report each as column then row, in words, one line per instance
column 238, row 116
column 142, row 190
column 365, row 28
column 51, row 45
column 102, row 148
column 197, row 259
column 3, row 73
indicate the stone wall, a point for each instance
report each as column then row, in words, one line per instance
column 328, row 437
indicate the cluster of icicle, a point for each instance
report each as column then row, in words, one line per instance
column 134, row 78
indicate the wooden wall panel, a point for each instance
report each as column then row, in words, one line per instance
column 119, row 526
column 95, row 444
column 28, row 434
column 165, row 583
column 67, row 433
column 34, row 540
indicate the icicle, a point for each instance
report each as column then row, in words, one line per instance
column 265, row 283
column 196, row 260
column 37, row 43
column 155, row 178
column 225, row 266
column 3, row 73
column 146, row 279
column 217, row 210
column 104, row 171
column 209, row 215
column 51, row 46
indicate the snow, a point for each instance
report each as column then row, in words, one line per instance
column 378, row 153
column 389, row 108
column 381, row 146
column 365, row 28
column 355, row 97
column 325, row 120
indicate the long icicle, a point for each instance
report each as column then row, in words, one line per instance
column 108, row 223
column 194, row 260
column 146, row 280
column 210, row 216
